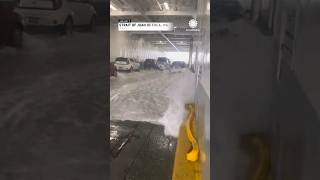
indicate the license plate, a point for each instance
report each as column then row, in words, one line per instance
column 33, row 20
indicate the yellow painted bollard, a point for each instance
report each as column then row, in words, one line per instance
column 193, row 155
column 187, row 162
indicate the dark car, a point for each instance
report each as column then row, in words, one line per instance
column 178, row 64
column 113, row 70
column 11, row 27
column 163, row 63
column 150, row 64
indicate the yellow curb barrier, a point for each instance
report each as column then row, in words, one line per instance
column 263, row 168
column 186, row 163
column 193, row 155
column 262, row 156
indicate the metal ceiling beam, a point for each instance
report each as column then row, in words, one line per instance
column 159, row 5
column 165, row 37
column 166, row 45
column 173, row 39
column 170, row 49
column 147, row 36
column 152, row 35
column 178, row 43
column 185, row 48
column 153, row 13
column 159, row 38
column 125, row 13
column 171, row 13
column 169, row 45
column 138, row 6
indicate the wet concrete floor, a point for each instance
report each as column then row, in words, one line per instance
column 140, row 151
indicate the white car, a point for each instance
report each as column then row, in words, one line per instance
column 126, row 64
column 57, row 13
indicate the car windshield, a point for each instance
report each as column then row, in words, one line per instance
column 121, row 60
column 162, row 60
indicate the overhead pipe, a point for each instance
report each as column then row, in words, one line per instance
column 159, row 4
column 163, row 35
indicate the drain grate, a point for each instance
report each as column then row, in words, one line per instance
column 120, row 142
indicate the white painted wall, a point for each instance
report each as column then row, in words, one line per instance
column 141, row 49
column 118, row 42
column 177, row 56
column 201, row 62
column 122, row 44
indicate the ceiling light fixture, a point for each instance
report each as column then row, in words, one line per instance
column 112, row 7
column 166, row 5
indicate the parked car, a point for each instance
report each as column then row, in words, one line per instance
column 141, row 65
column 163, row 63
column 136, row 64
column 150, row 64
column 178, row 64
column 62, row 14
column 126, row 64
column 11, row 25
column 113, row 70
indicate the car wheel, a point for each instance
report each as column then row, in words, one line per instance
column 93, row 24
column 68, row 26
column 18, row 38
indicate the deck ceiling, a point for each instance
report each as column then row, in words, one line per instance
column 179, row 13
